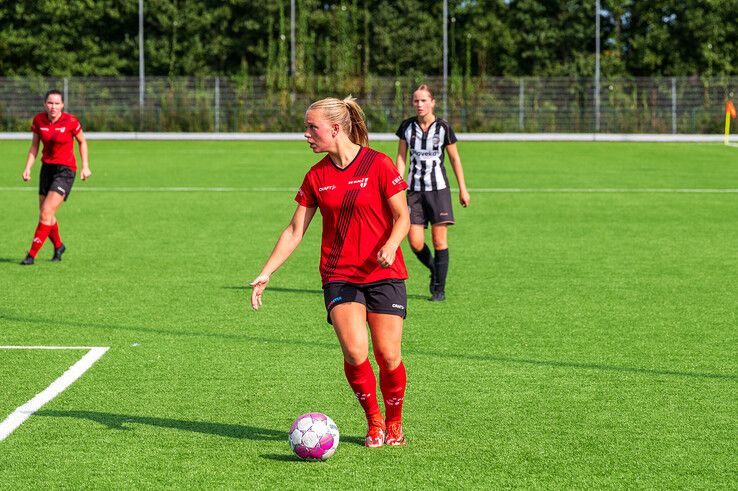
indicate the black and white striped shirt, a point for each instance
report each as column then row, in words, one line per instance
column 426, row 171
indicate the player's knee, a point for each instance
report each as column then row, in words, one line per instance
column 388, row 359
column 354, row 356
column 416, row 245
column 46, row 215
column 440, row 244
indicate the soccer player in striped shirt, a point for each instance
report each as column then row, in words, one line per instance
column 428, row 194
column 365, row 217
column 57, row 130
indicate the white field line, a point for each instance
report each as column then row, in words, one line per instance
column 582, row 137
column 294, row 190
column 22, row 413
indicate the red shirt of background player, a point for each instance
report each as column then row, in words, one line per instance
column 357, row 219
column 58, row 138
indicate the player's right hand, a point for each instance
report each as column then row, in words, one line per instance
column 26, row 175
column 257, row 288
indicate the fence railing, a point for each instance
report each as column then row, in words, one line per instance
column 628, row 105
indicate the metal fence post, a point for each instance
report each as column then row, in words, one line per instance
column 66, row 94
column 521, row 105
column 217, row 104
column 597, row 66
column 673, row 106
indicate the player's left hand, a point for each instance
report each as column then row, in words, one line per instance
column 464, row 198
column 85, row 173
column 386, row 256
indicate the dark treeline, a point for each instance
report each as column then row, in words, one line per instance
column 362, row 37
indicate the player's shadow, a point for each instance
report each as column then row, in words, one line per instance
column 278, row 289
column 123, row 422
column 9, row 260
column 301, row 290
column 477, row 357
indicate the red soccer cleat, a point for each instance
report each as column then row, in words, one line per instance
column 395, row 436
column 375, row 433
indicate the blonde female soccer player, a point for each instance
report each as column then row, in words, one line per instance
column 428, row 195
column 365, row 217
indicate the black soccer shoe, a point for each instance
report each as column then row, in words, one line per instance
column 27, row 261
column 58, row 253
column 438, row 296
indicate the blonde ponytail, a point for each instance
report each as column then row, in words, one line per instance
column 346, row 113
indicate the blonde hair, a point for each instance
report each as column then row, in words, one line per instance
column 347, row 113
column 425, row 88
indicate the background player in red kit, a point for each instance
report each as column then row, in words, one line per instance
column 57, row 130
column 365, row 217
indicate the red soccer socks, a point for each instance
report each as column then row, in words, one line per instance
column 54, row 235
column 42, row 232
column 361, row 379
column 392, row 384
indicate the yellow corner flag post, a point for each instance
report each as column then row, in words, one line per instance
column 729, row 113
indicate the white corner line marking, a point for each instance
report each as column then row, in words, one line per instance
column 22, row 413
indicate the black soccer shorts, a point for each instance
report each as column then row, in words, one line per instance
column 381, row 297
column 432, row 207
column 57, row 178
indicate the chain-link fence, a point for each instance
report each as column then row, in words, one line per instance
column 254, row 104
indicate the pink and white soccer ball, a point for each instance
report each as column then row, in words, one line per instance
column 314, row 436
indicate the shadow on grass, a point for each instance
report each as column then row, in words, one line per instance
column 10, row 260
column 300, row 290
column 413, row 352
column 121, row 422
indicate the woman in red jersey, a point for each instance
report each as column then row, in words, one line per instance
column 365, row 218
column 57, row 130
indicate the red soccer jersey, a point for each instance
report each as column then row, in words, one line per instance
column 58, row 138
column 357, row 219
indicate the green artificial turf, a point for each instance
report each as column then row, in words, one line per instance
column 589, row 339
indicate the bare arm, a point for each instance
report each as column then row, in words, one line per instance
column 400, row 228
column 85, row 173
column 453, row 155
column 31, row 159
column 401, row 154
column 286, row 244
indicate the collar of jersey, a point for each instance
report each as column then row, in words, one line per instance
column 429, row 126
column 48, row 119
column 349, row 164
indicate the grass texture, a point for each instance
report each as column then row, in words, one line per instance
column 589, row 339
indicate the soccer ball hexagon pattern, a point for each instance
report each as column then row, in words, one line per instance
column 313, row 436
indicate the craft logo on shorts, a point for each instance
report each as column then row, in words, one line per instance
column 397, row 306
column 61, row 190
column 361, row 182
column 396, row 180
column 327, row 188
column 337, row 299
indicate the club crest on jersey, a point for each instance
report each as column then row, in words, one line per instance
column 436, row 140
column 62, row 129
column 361, row 182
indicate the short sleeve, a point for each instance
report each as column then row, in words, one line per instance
column 306, row 194
column 450, row 138
column 77, row 127
column 35, row 126
column 401, row 130
column 390, row 181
